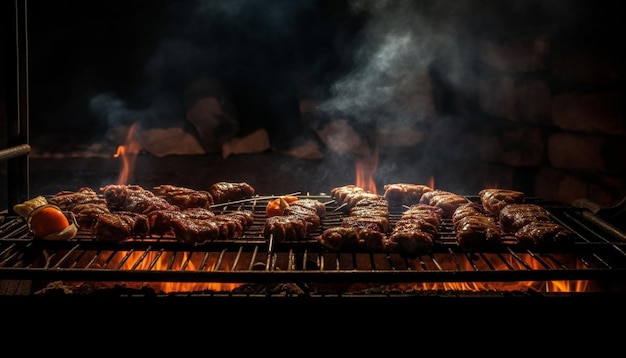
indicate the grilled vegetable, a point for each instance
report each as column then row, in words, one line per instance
column 276, row 206
column 46, row 221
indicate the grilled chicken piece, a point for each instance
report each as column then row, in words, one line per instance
column 494, row 199
column 404, row 194
column 223, row 192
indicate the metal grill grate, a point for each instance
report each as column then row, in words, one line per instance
column 252, row 259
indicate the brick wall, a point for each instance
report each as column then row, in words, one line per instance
column 557, row 115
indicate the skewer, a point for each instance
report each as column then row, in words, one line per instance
column 253, row 199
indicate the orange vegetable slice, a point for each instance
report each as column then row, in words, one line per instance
column 47, row 220
column 276, row 206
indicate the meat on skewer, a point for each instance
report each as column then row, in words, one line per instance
column 445, row 200
column 404, row 193
column 341, row 238
column 223, row 192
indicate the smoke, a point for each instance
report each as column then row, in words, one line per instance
column 390, row 80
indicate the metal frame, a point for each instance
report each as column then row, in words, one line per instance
column 17, row 103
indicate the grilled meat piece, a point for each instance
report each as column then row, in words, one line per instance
column 339, row 238
column 544, row 234
column 196, row 231
column 445, row 200
column 134, row 198
column 245, row 216
column 515, row 216
column 494, row 199
column 317, row 205
column 340, row 193
column 369, row 211
column 477, row 231
column 66, row 200
column 409, row 243
column 469, row 209
column 350, row 238
column 353, row 199
column 307, row 213
column 416, row 230
column 161, row 221
column 285, row 228
column 87, row 214
column 184, row 197
column 404, row 194
column 223, row 192
column 422, row 213
column 375, row 223
column 186, row 224
column 121, row 226
column 349, row 195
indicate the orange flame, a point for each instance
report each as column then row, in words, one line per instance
column 168, row 261
column 128, row 152
column 365, row 167
column 448, row 263
column 431, row 182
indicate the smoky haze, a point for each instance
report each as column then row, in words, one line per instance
column 378, row 63
column 372, row 58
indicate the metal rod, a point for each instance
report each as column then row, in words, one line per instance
column 14, row 152
column 17, row 100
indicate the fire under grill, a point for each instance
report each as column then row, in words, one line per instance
column 594, row 262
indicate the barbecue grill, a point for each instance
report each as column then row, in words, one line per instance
column 255, row 267
column 596, row 261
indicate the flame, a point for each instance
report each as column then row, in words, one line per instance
column 128, row 152
column 167, row 261
column 447, row 263
column 365, row 167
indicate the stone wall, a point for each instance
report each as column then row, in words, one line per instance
column 563, row 107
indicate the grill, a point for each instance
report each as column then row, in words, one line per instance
column 253, row 267
column 596, row 260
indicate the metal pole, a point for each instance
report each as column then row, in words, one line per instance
column 17, row 103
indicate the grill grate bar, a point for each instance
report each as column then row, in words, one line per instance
column 66, row 256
